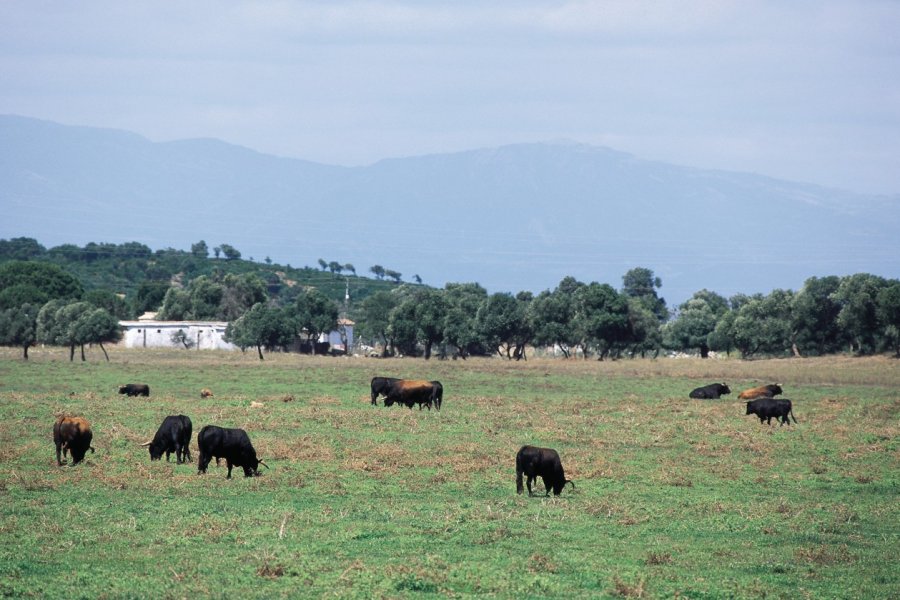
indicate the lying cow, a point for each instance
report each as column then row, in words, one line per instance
column 174, row 435
column 231, row 444
column 766, row 408
column 710, row 392
column 408, row 392
column 763, row 391
column 73, row 435
column 135, row 389
column 536, row 462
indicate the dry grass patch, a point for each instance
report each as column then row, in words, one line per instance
column 825, row 554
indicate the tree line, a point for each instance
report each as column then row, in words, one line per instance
column 858, row 313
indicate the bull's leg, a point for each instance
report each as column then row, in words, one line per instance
column 58, row 457
column 187, row 452
column 519, row 485
column 228, row 463
column 546, row 486
column 531, row 479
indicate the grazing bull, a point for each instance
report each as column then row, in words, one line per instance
column 544, row 462
column 135, row 389
column 408, row 392
column 766, row 408
column 763, row 391
column 711, row 391
column 381, row 386
column 174, row 435
column 74, row 435
column 231, row 444
column 206, row 393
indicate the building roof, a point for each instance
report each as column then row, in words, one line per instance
column 139, row 323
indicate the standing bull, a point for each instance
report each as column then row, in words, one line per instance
column 408, row 392
column 536, row 462
column 763, row 391
column 174, row 435
column 135, row 389
column 231, row 444
column 711, row 391
column 766, row 408
column 74, row 435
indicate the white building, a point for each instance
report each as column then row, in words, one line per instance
column 198, row 335
column 203, row 335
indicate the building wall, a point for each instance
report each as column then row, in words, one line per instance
column 205, row 335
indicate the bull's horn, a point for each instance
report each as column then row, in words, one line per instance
column 570, row 481
column 263, row 464
column 145, row 444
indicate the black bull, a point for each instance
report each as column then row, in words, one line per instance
column 408, row 392
column 174, row 435
column 766, row 408
column 231, row 444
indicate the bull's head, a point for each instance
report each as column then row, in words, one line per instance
column 155, row 451
column 558, row 487
column 252, row 469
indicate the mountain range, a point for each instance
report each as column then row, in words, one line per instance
column 513, row 218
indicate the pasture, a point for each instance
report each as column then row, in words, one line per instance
column 675, row 497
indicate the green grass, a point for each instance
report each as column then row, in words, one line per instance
column 674, row 496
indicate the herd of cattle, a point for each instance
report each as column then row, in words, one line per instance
column 73, row 435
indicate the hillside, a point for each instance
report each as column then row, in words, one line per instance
column 122, row 268
column 512, row 218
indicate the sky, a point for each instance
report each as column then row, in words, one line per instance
column 801, row 90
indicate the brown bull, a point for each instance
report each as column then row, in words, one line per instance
column 74, row 435
column 415, row 391
column 763, row 391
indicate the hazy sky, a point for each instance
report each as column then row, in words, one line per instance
column 802, row 90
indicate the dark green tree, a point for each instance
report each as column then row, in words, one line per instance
column 695, row 321
column 314, row 313
column 149, row 296
column 814, row 316
column 857, row 318
column 601, row 318
column 261, row 326
column 18, row 327
column 230, row 252
column 240, row 293
column 97, row 326
column 378, row 271
column 642, row 284
column 887, row 309
column 200, row 249
column 552, row 316
column 763, row 325
column 35, row 282
column 112, row 302
column 375, row 319
column 502, row 323
column 21, row 248
column 460, row 328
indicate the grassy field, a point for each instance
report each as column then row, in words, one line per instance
column 675, row 497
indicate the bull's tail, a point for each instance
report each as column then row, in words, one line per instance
column 791, row 412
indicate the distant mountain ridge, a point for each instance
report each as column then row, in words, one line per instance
column 518, row 217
